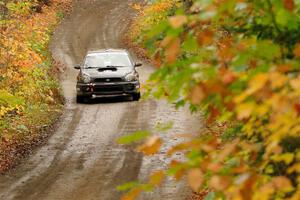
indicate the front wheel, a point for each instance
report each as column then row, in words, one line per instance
column 136, row 97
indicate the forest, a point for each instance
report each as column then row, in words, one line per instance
column 30, row 96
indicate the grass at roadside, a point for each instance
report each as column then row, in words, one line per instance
column 30, row 96
column 148, row 17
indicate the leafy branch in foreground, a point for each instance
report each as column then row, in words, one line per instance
column 238, row 62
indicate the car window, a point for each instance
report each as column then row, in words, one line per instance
column 98, row 60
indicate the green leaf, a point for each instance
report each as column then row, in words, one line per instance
column 210, row 196
column 190, row 44
column 158, row 29
column 22, row 128
column 8, row 99
column 267, row 50
column 127, row 186
column 135, row 137
column 163, row 127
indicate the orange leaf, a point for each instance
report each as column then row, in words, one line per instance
column 132, row 195
column 151, row 146
column 228, row 149
column 225, row 51
column 206, row 37
column 173, row 50
column 225, row 54
column 179, row 147
column 214, row 167
column 157, row 178
column 282, row 183
column 297, row 108
column 196, row 95
column 219, row 182
column 297, row 50
column 214, row 113
column 179, row 169
column 227, row 76
column 157, row 59
column 278, row 80
column 178, row 21
column 289, row 4
column 283, row 68
column 195, row 179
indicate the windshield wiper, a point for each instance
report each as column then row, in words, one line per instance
column 110, row 66
column 89, row 67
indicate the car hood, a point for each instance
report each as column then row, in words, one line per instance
column 120, row 72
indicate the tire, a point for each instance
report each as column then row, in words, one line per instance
column 80, row 99
column 136, row 97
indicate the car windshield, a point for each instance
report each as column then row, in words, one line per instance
column 98, row 60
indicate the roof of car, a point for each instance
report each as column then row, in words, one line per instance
column 107, row 50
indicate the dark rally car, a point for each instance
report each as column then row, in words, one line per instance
column 107, row 73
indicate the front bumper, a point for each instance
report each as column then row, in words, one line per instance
column 107, row 89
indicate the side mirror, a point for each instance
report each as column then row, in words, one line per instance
column 138, row 64
column 77, row 67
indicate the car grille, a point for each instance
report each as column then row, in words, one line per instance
column 107, row 80
column 108, row 89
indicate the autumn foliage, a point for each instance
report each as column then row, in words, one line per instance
column 236, row 61
column 29, row 92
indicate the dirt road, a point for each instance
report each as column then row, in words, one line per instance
column 82, row 161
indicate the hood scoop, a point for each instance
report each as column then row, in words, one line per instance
column 107, row 69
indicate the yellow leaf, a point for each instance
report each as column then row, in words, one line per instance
column 264, row 192
column 295, row 83
column 282, row 183
column 278, row 80
column 255, row 84
column 258, row 82
column 296, row 196
column 262, row 110
column 245, row 110
column 195, row 179
column 286, row 157
column 136, row 6
column 294, row 168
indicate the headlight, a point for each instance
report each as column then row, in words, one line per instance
column 131, row 77
column 85, row 78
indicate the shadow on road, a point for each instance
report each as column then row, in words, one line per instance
column 107, row 100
